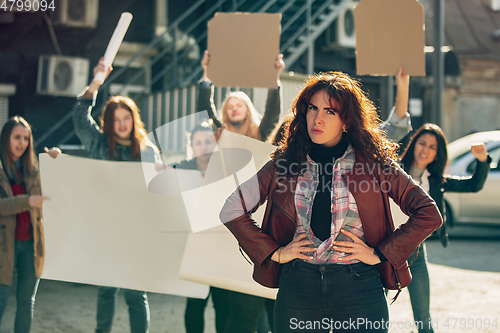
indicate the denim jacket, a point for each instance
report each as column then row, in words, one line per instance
column 96, row 143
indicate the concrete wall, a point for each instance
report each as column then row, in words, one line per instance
column 474, row 105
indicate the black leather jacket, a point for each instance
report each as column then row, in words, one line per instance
column 471, row 184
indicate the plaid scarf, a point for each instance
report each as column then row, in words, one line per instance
column 345, row 213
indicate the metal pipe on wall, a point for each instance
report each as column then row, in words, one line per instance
column 438, row 62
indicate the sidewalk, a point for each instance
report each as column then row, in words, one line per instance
column 63, row 307
column 462, row 289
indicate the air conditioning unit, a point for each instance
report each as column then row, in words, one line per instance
column 77, row 13
column 341, row 33
column 62, row 76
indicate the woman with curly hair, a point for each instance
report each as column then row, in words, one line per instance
column 327, row 240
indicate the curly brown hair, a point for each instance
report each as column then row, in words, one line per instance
column 357, row 112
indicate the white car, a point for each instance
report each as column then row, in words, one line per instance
column 482, row 207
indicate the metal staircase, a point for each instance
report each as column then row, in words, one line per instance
column 303, row 21
column 319, row 16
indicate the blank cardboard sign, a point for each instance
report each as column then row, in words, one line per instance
column 389, row 34
column 243, row 49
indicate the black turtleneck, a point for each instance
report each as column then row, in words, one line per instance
column 321, row 217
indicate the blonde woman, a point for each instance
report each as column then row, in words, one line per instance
column 238, row 111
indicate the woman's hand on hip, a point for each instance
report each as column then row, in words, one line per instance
column 294, row 250
column 358, row 249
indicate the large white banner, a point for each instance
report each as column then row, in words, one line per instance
column 212, row 256
column 103, row 226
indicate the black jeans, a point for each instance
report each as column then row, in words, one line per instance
column 244, row 312
column 194, row 317
column 330, row 298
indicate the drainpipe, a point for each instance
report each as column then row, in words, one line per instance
column 438, row 62
column 310, row 49
column 161, row 16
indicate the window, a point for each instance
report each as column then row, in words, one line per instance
column 495, row 160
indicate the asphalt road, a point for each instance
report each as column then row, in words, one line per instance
column 465, row 295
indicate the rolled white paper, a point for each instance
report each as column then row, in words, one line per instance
column 114, row 44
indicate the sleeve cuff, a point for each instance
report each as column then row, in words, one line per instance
column 395, row 120
column 488, row 160
column 90, row 101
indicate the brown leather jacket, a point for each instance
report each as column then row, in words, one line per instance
column 370, row 184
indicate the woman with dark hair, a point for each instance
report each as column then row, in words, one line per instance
column 425, row 160
column 120, row 137
column 327, row 239
column 202, row 143
column 21, row 227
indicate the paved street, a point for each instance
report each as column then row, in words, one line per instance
column 465, row 284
